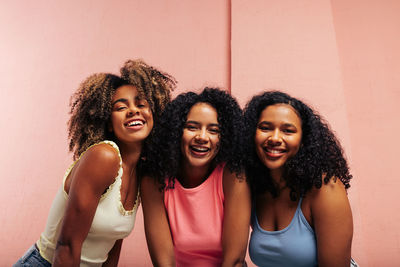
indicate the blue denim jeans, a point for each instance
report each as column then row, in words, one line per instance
column 32, row 258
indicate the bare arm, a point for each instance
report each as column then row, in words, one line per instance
column 90, row 177
column 113, row 255
column 158, row 234
column 237, row 212
column 333, row 224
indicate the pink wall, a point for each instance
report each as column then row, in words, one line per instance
column 368, row 39
column 343, row 58
column 340, row 56
column 47, row 48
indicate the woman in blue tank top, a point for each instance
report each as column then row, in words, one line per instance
column 298, row 177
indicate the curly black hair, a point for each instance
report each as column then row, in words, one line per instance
column 165, row 150
column 320, row 154
column 91, row 104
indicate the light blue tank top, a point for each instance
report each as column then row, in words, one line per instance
column 294, row 245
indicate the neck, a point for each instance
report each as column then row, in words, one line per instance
column 130, row 153
column 191, row 176
column 277, row 177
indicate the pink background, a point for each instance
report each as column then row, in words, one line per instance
column 340, row 56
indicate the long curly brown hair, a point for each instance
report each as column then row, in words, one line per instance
column 91, row 103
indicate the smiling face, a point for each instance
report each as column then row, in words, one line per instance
column 131, row 116
column 201, row 136
column 278, row 135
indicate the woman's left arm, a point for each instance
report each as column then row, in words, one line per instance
column 113, row 255
column 333, row 224
column 237, row 210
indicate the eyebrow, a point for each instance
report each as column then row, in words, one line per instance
column 285, row 124
column 289, row 125
column 124, row 100
column 198, row 123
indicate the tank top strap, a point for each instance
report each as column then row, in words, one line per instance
column 298, row 212
column 119, row 175
column 299, row 204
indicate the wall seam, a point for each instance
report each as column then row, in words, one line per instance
column 230, row 46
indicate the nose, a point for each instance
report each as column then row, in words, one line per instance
column 133, row 109
column 201, row 136
column 275, row 137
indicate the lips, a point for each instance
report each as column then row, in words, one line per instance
column 199, row 150
column 274, row 152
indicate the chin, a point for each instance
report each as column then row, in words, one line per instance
column 273, row 166
column 199, row 162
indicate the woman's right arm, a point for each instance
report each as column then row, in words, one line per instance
column 90, row 177
column 158, row 234
column 333, row 224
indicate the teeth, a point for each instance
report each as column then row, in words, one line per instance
column 134, row 123
column 200, row 149
column 273, row 151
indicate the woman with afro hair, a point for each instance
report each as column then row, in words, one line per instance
column 95, row 208
column 298, row 176
column 196, row 202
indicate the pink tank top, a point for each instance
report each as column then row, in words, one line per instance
column 195, row 217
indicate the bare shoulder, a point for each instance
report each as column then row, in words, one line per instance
column 231, row 179
column 98, row 165
column 102, row 151
column 234, row 183
column 331, row 196
column 333, row 188
column 103, row 155
column 148, row 184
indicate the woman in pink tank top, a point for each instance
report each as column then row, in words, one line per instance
column 196, row 202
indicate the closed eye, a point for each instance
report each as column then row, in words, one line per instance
column 119, row 108
column 120, row 104
column 264, row 127
column 288, row 130
column 214, row 130
column 141, row 103
column 191, row 127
